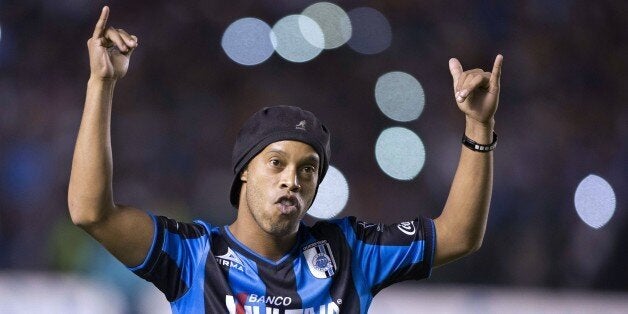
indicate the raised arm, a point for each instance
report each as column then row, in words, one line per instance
column 125, row 231
column 460, row 228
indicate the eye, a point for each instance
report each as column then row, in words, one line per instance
column 309, row 169
column 275, row 162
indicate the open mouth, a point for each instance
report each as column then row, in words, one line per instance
column 287, row 204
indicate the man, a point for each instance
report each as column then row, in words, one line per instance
column 267, row 261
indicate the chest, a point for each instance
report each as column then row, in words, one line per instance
column 314, row 278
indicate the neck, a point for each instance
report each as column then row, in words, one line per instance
column 268, row 245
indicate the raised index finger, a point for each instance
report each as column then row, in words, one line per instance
column 102, row 22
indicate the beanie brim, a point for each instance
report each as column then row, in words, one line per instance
column 320, row 149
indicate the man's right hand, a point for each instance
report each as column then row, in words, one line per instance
column 109, row 50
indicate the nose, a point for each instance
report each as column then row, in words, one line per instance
column 290, row 180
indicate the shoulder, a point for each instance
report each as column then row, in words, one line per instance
column 348, row 223
column 398, row 233
column 333, row 224
column 345, row 227
column 185, row 230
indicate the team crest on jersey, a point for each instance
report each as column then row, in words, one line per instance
column 231, row 260
column 320, row 259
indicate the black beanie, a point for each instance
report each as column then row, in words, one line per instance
column 273, row 124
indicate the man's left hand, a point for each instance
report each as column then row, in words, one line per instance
column 476, row 91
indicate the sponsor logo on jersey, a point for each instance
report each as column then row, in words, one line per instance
column 320, row 260
column 231, row 260
column 255, row 304
column 269, row 300
column 407, row 227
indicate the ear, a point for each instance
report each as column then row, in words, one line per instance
column 244, row 175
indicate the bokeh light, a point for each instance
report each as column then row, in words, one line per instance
column 247, row 41
column 400, row 153
column 595, row 201
column 332, row 197
column 371, row 31
column 399, row 96
column 333, row 21
column 297, row 38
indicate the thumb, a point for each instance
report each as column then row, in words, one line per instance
column 131, row 49
column 130, row 52
column 456, row 69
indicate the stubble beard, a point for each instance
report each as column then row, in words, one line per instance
column 267, row 219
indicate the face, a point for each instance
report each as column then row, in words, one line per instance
column 278, row 186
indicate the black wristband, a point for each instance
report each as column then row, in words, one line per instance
column 472, row 145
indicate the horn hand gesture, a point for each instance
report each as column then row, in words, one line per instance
column 476, row 91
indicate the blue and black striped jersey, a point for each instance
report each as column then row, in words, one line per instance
column 336, row 266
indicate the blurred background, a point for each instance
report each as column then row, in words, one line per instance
column 191, row 84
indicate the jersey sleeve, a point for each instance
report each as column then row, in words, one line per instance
column 387, row 254
column 175, row 254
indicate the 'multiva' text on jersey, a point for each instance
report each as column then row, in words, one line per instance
column 275, row 305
